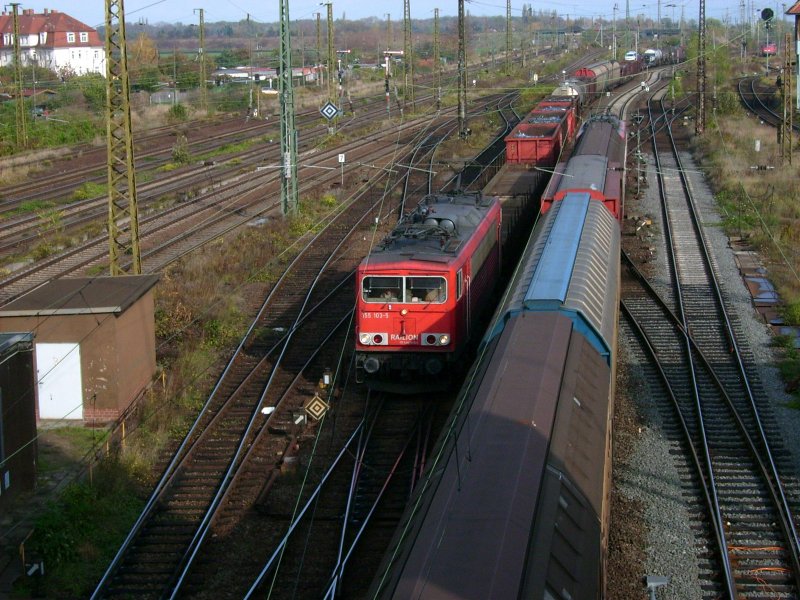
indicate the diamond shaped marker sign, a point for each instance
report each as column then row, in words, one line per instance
column 316, row 407
column 329, row 110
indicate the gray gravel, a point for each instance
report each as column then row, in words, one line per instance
column 650, row 474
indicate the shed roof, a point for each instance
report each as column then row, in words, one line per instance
column 80, row 296
column 794, row 9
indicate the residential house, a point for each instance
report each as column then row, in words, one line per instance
column 53, row 40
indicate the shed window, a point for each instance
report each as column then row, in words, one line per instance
column 84, row 36
column 70, row 37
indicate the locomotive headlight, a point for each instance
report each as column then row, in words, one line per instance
column 444, row 340
column 404, row 312
column 364, row 338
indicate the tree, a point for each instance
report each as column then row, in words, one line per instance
column 143, row 63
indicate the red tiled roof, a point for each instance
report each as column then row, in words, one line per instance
column 794, row 10
column 56, row 24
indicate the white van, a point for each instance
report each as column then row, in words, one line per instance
column 632, row 55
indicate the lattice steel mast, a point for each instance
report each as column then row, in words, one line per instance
column 408, row 54
column 786, row 89
column 288, row 131
column 21, row 130
column 508, row 36
column 202, row 56
column 700, row 120
column 331, row 54
column 462, row 73
column 122, row 205
column 437, row 61
column 319, row 51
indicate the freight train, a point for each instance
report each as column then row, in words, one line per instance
column 515, row 499
column 421, row 291
column 540, row 137
column 406, row 343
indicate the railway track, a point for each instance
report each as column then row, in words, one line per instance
column 221, row 464
column 231, row 511
column 172, row 233
column 22, row 231
column 755, row 99
column 742, row 507
column 210, row 490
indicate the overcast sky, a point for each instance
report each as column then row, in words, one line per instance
column 171, row 11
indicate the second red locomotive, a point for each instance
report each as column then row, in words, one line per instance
column 419, row 294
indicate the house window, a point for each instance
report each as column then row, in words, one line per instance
column 84, row 37
column 42, row 37
column 70, row 38
column 8, row 39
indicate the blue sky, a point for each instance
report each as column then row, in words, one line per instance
column 154, row 11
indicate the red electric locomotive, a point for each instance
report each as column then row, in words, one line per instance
column 419, row 294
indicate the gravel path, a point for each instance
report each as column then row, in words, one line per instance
column 650, row 516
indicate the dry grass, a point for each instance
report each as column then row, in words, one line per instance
column 17, row 168
column 758, row 205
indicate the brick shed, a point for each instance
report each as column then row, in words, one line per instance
column 94, row 341
column 17, row 415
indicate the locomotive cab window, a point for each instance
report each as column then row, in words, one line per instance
column 431, row 290
column 382, row 289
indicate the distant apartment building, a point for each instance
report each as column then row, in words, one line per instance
column 53, row 40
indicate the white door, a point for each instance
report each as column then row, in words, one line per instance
column 58, row 372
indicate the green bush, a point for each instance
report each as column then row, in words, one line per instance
column 177, row 113
column 84, row 527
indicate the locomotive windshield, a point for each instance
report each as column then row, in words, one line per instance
column 430, row 290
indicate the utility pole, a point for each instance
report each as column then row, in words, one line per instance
column 700, row 120
column 388, row 31
column 331, row 54
column 122, row 204
column 508, row 37
column 437, row 61
column 658, row 27
column 408, row 54
column 319, row 51
column 796, row 14
column 462, row 73
column 288, row 131
column 786, row 88
column 21, row 126
column 614, row 35
column 627, row 25
column 203, row 75
column 174, row 76
column 743, row 43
